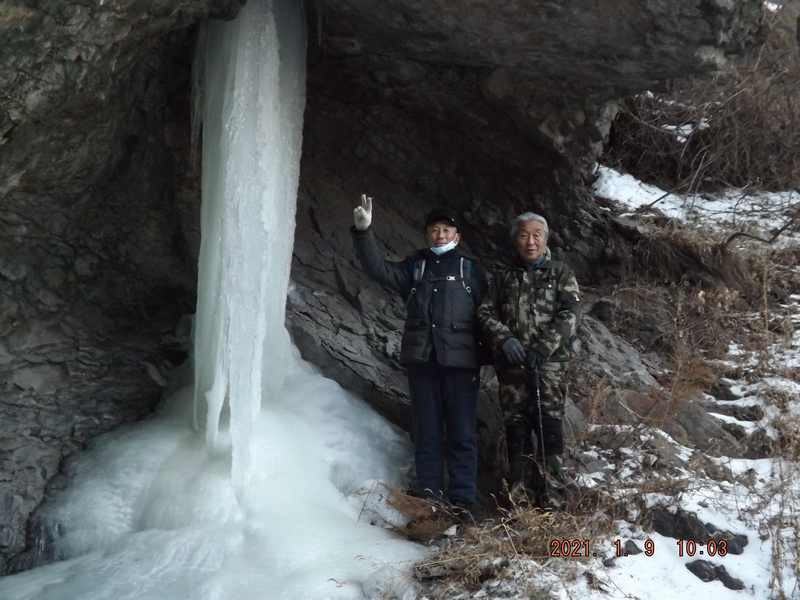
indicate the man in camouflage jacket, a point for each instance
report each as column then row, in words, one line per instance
column 530, row 317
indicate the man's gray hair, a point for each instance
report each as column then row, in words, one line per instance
column 524, row 218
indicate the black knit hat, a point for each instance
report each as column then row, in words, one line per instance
column 440, row 215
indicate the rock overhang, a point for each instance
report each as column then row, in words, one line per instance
column 580, row 48
column 553, row 70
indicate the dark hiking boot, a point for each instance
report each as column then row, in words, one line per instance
column 549, row 490
column 464, row 513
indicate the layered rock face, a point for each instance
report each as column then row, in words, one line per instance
column 484, row 109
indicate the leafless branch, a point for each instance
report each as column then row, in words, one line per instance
column 742, row 234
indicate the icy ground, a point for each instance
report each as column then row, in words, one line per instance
column 644, row 469
column 150, row 514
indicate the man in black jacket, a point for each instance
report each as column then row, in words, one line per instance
column 442, row 288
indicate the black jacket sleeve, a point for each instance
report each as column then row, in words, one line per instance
column 396, row 275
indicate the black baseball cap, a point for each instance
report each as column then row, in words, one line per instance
column 440, row 215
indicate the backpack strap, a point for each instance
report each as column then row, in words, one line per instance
column 418, row 273
column 465, row 269
column 419, row 270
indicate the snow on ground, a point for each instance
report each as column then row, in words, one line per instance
column 762, row 500
column 732, row 210
column 758, row 498
column 682, row 132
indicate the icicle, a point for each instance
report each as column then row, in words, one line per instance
column 252, row 131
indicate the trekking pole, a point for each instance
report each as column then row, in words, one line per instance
column 534, row 368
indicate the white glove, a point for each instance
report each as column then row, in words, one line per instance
column 362, row 215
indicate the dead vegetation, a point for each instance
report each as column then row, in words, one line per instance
column 687, row 296
column 683, row 323
column 675, row 255
column 777, row 507
column 521, row 532
column 554, row 542
column 740, row 129
column 695, row 322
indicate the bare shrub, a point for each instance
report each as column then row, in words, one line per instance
column 680, row 256
column 739, row 129
column 681, row 322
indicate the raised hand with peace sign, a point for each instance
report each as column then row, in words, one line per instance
column 362, row 215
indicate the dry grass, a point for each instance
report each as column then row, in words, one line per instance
column 774, row 505
column 787, row 424
column 681, row 256
column 687, row 324
column 783, row 525
column 683, row 291
column 784, row 277
column 597, row 396
column 522, row 531
column 518, row 532
column 687, row 298
column 741, row 128
column 428, row 519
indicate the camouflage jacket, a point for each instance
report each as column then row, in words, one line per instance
column 537, row 306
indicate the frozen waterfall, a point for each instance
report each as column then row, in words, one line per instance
column 274, row 500
column 254, row 92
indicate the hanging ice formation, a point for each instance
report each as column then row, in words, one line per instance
column 254, row 95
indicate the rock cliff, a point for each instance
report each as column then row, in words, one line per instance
column 487, row 110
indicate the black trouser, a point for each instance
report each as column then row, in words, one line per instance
column 445, row 398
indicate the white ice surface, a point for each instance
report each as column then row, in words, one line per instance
column 151, row 514
column 252, row 134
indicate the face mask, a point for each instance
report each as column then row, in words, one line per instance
column 439, row 250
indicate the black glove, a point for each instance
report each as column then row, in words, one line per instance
column 514, row 351
column 535, row 360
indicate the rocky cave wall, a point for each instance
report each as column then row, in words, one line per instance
column 97, row 227
column 486, row 111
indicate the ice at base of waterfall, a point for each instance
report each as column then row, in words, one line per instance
column 151, row 514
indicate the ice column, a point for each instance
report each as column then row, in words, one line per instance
column 254, row 95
